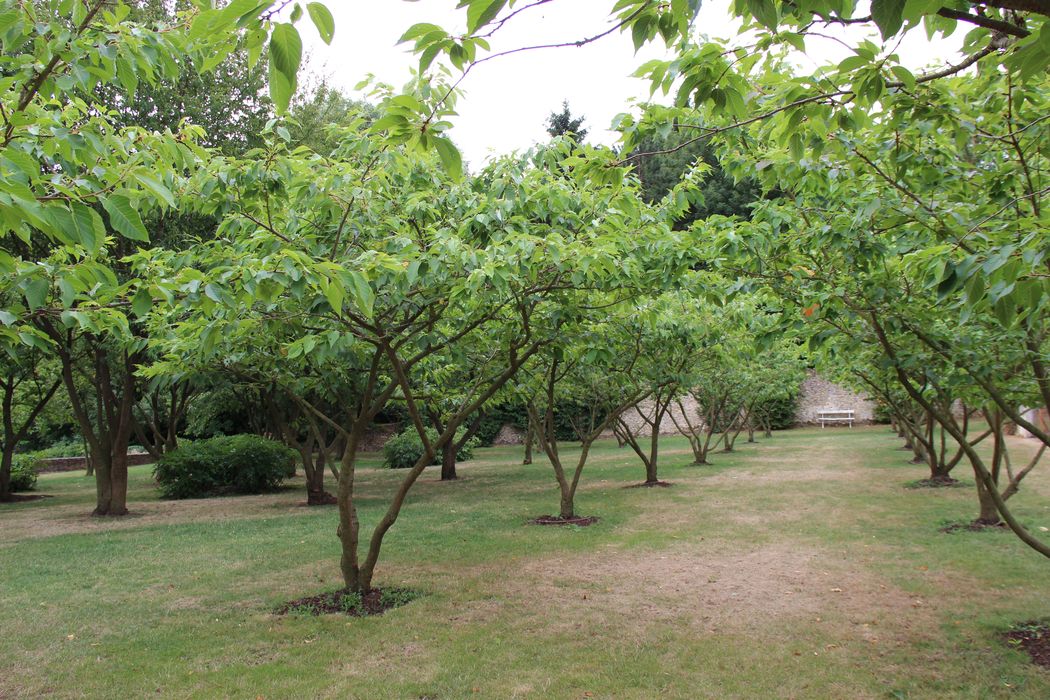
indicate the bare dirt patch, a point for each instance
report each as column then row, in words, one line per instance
column 579, row 520
column 56, row 519
column 944, row 483
column 716, row 590
column 1033, row 637
column 649, row 485
column 342, row 602
column 973, row 526
column 25, row 498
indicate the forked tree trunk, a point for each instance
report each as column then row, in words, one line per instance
column 111, row 483
column 357, row 574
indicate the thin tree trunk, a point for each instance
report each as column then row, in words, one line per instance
column 530, row 437
column 448, row 462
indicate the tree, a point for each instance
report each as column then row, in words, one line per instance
column 670, row 337
column 69, row 159
column 315, row 111
column 564, row 124
column 372, row 263
column 887, row 235
column 591, row 381
column 665, row 165
column 24, row 393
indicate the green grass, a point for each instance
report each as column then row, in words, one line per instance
column 796, row 567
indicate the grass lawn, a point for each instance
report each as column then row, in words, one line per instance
column 797, row 567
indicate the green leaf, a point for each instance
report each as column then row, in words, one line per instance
column 334, row 293
column 157, row 188
column 450, row 156
column 286, row 54
column 141, row 302
column 481, row 12
column 124, row 219
column 418, row 30
column 765, row 11
column 323, row 20
column 36, row 293
column 888, row 15
column 363, row 293
column 286, row 49
column 281, row 89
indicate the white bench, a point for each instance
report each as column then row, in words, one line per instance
column 835, row 415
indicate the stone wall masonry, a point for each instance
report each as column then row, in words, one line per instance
column 818, row 394
column 633, row 416
column 72, row 464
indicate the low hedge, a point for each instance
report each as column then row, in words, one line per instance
column 220, row 466
column 404, row 449
column 24, row 471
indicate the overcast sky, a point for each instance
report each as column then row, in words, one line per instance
column 508, row 100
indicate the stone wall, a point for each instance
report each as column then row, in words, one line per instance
column 633, row 416
column 509, row 435
column 72, row 464
column 377, row 435
column 818, row 394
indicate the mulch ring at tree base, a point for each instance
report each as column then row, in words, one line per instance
column 649, row 485
column 342, row 602
column 579, row 520
column 948, row 483
column 325, row 500
column 972, row 526
column 25, row 498
column 1033, row 637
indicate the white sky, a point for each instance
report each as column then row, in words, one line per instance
column 508, row 100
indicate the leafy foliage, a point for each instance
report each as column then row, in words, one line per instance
column 564, row 124
column 24, row 471
column 236, row 464
column 778, row 413
column 406, row 448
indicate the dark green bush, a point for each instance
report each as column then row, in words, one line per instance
column 780, row 413
column 66, row 447
column 883, row 414
column 404, row 449
column 219, row 466
column 24, row 470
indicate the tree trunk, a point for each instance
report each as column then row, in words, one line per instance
column 448, row 462
column 654, row 454
column 111, row 483
column 650, row 472
column 5, row 474
column 530, row 437
column 315, row 493
column 940, row 473
column 989, row 514
column 567, row 509
column 314, row 471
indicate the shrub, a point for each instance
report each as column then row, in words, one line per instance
column 779, row 412
column 404, row 449
column 24, row 470
column 235, row 464
column 66, row 447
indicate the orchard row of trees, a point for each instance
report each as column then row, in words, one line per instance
column 901, row 227
column 338, row 272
